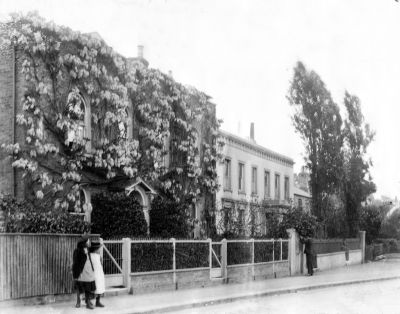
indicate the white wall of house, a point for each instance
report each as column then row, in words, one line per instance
column 251, row 155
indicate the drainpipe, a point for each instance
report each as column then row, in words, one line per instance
column 14, row 101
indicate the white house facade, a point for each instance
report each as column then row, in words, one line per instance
column 252, row 174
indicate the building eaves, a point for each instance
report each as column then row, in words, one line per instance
column 255, row 147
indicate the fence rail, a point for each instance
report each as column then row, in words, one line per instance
column 147, row 256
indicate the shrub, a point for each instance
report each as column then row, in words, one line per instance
column 25, row 217
column 117, row 215
column 304, row 223
column 42, row 222
column 169, row 218
column 371, row 219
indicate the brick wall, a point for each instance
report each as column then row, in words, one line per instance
column 6, row 117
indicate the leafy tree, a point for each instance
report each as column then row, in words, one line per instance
column 117, row 215
column 317, row 119
column 390, row 227
column 371, row 219
column 357, row 179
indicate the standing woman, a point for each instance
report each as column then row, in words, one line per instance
column 98, row 271
column 83, row 272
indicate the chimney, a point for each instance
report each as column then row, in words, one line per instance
column 140, row 51
column 252, row 131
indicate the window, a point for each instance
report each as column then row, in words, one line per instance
column 254, row 180
column 277, row 187
column 287, row 189
column 300, row 203
column 79, row 112
column 242, row 220
column 227, row 174
column 267, row 190
column 241, row 177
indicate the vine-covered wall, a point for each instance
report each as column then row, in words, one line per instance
column 90, row 117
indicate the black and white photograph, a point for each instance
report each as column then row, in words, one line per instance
column 199, row 156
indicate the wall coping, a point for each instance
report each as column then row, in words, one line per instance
column 337, row 253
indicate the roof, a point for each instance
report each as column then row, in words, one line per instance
column 300, row 192
column 139, row 182
column 252, row 145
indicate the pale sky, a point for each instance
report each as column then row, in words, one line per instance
column 242, row 54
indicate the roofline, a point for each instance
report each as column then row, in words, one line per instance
column 257, row 147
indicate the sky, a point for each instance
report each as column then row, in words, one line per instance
column 242, row 54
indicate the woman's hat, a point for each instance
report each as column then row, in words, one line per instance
column 84, row 238
column 95, row 245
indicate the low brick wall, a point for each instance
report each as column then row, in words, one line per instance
column 355, row 257
column 243, row 273
column 331, row 260
column 336, row 259
column 197, row 278
column 165, row 281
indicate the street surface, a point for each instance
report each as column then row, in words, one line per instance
column 377, row 297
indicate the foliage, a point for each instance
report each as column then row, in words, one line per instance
column 317, row 119
column 33, row 222
column 151, row 256
column 234, row 223
column 390, row 227
column 24, row 217
column 117, row 215
column 192, row 255
column 263, row 252
column 389, row 245
column 304, row 223
column 357, row 180
column 169, row 218
column 372, row 217
column 137, row 117
column 239, row 253
column 335, row 151
column 334, row 224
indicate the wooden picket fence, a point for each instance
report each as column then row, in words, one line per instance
column 36, row 264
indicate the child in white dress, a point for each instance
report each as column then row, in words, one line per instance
column 98, row 271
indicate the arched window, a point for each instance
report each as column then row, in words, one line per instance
column 85, row 207
column 79, row 112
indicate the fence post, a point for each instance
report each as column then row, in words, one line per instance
column 224, row 260
column 174, row 262
column 126, row 262
column 273, row 258
column 252, row 259
column 362, row 245
column 210, row 255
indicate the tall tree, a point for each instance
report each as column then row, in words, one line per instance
column 358, row 182
column 317, row 119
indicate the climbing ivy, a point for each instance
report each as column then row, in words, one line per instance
column 66, row 74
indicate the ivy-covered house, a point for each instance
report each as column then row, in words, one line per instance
column 78, row 118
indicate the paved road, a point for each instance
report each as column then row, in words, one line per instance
column 376, row 297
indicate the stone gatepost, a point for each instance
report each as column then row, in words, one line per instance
column 361, row 234
column 295, row 253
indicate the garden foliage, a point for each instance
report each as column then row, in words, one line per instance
column 117, row 215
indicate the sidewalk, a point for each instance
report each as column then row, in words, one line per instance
column 182, row 299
